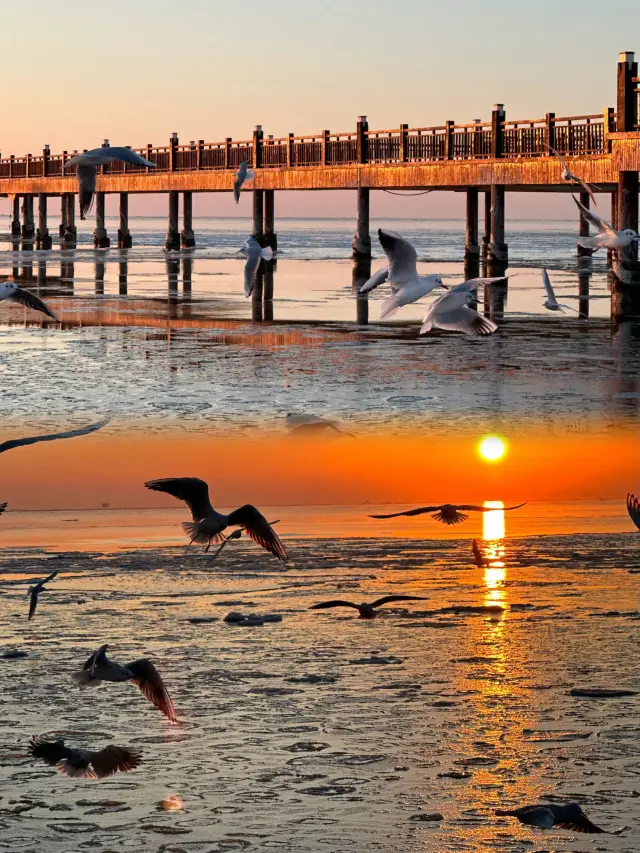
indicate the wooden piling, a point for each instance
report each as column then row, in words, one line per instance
column 69, row 234
column 486, row 239
column 123, row 278
column 627, row 112
column 472, row 247
column 28, row 230
column 498, row 255
column 258, row 215
column 187, row 238
column 15, row 218
column 187, row 275
column 627, row 259
column 172, row 241
column 100, row 237
column 362, row 239
column 269, row 220
column 583, row 293
column 614, row 222
column 269, row 267
column 124, row 235
column 583, row 226
column 43, row 238
column 99, row 279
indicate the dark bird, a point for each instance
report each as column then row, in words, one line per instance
column 141, row 672
column 87, row 170
column 367, row 611
column 237, row 534
column 448, row 513
column 207, row 525
column 633, row 508
column 35, row 591
column 84, row 763
column 71, row 433
column 570, row 817
column 479, row 558
column 3, row 507
column 14, row 293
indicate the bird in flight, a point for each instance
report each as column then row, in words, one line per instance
column 367, row 611
column 237, row 534
column 607, row 236
column 207, row 525
column 633, row 508
column 255, row 253
column 551, row 303
column 84, row 763
column 3, row 507
column 12, row 292
column 545, row 816
column 141, row 672
column 478, row 557
column 87, row 170
column 453, row 312
column 448, row 513
column 71, row 433
column 243, row 174
column 568, row 176
column 35, row 591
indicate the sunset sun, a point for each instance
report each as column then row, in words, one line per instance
column 492, row 448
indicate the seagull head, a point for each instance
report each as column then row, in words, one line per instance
column 9, row 286
column 629, row 232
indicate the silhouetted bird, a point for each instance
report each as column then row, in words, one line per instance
column 237, row 534
column 633, row 508
column 3, row 507
column 71, row 433
column 12, row 292
column 367, row 611
column 84, row 762
column 35, row 591
column 448, row 513
column 479, row 558
column 87, row 170
column 207, row 525
column 545, row 816
column 141, row 672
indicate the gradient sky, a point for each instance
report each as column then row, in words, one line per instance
column 135, row 72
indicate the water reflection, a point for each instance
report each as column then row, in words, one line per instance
column 493, row 535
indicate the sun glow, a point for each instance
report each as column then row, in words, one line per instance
column 492, row 448
column 493, row 522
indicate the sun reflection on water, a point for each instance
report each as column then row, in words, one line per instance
column 493, row 533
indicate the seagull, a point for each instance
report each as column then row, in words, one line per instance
column 237, row 534
column 568, row 176
column 243, row 174
column 11, row 291
column 141, row 672
column 607, row 236
column 452, row 312
column 255, row 252
column 3, row 507
column 410, row 293
column 448, row 513
column 72, row 433
column 551, row 303
column 83, row 763
column 207, row 525
column 305, row 424
column 402, row 270
column 545, row 816
column 35, row 591
column 633, row 508
column 479, row 558
column 367, row 611
column 87, row 170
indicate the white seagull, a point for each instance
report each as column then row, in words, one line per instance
column 255, row 252
column 607, row 236
column 453, row 313
column 87, row 170
column 243, row 174
column 568, row 176
column 402, row 270
column 14, row 293
column 551, row 303
column 409, row 293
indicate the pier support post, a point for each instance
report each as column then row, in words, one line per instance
column 69, row 235
column 124, row 235
column 123, row 278
column 172, row 242
column 614, row 222
column 471, row 246
column 269, row 220
column 15, row 218
column 583, row 226
column 362, row 238
column 498, row 255
column 28, row 230
column 43, row 238
column 187, row 237
column 100, row 237
column 258, row 215
column 486, row 239
column 626, row 266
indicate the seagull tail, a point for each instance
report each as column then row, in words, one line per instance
column 426, row 327
column 389, row 307
column 194, row 531
column 85, row 200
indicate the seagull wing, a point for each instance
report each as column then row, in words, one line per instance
column 126, row 155
column 3, row 507
column 581, row 824
column 34, row 601
column 254, row 255
column 387, row 599
column 401, row 254
column 419, row 511
column 147, row 678
column 72, row 433
column 475, row 508
column 463, row 319
column 25, row 297
column 96, row 657
column 633, row 508
column 559, row 157
column 585, row 186
column 547, row 286
column 477, row 554
column 258, row 529
column 48, row 578
column 593, row 219
column 112, row 758
column 51, row 752
column 237, row 186
column 324, row 605
column 378, row 278
column 193, row 491
column 87, row 178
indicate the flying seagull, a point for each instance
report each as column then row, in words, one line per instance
column 243, row 174
column 448, row 513
column 141, row 672
column 3, row 507
column 367, row 611
column 12, row 292
column 237, row 534
column 71, row 433
column 35, row 591
column 633, row 508
column 84, row 763
column 607, row 236
column 568, row 176
column 402, row 270
column 551, row 303
column 255, row 253
column 545, row 816
column 478, row 557
column 302, row 424
column 207, row 524
column 409, row 293
column 87, row 170
column 453, row 313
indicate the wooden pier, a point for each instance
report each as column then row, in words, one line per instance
column 493, row 158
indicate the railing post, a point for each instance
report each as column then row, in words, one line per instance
column 404, row 143
column 290, row 150
column 173, row 159
column 609, row 125
column 148, row 156
column 28, row 165
column 627, row 101
column 550, row 130
column 11, row 159
column 497, row 122
column 361, row 140
column 258, row 137
column 227, row 153
column 200, row 153
column 45, row 161
column 448, row 140
column 325, row 147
